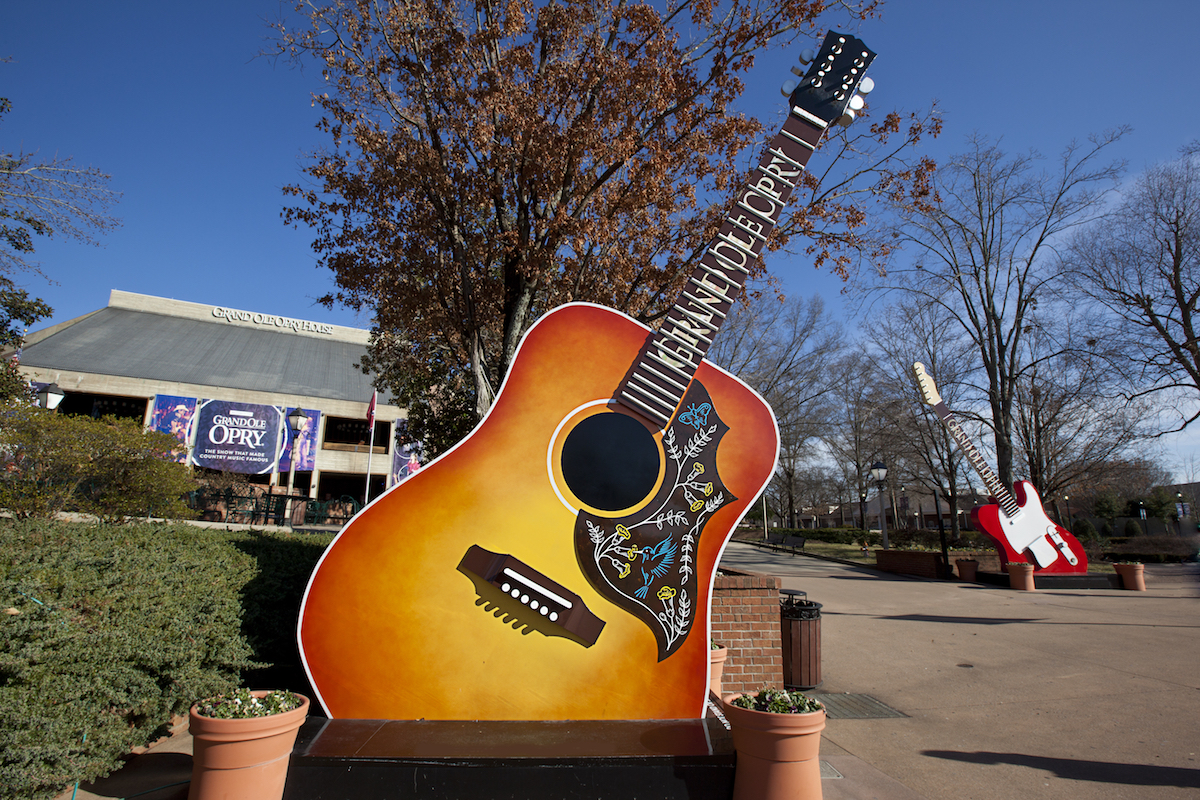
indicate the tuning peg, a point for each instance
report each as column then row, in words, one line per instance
column 788, row 87
column 866, row 86
column 807, row 55
column 852, row 108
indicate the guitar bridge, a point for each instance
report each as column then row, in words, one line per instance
column 1061, row 543
column 525, row 598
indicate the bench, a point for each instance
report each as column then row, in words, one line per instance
column 331, row 512
column 786, row 540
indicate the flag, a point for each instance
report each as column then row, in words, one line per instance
column 371, row 410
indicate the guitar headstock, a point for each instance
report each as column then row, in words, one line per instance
column 929, row 392
column 831, row 88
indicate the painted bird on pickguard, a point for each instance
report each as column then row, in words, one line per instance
column 653, row 563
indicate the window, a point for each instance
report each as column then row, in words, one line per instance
column 342, row 433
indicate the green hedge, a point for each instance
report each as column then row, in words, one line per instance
column 897, row 539
column 108, row 630
column 1152, row 549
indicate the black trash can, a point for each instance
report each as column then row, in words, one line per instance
column 800, row 631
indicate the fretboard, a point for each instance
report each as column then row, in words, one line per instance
column 669, row 360
column 997, row 489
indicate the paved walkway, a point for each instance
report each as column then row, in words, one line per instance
column 1051, row 694
column 1071, row 695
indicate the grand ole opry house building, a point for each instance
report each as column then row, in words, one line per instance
column 223, row 381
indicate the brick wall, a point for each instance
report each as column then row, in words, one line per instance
column 988, row 561
column 925, row 564
column 745, row 619
column 922, row 564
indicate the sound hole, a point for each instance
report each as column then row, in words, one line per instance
column 610, row 461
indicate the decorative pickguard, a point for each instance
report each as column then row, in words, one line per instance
column 645, row 562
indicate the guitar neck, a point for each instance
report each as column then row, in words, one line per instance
column 660, row 377
column 992, row 481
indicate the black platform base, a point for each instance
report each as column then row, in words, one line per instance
column 1089, row 580
column 428, row 760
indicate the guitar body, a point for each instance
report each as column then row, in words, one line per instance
column 501, row 583
column 1013, row 534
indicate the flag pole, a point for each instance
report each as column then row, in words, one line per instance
column 370, row 446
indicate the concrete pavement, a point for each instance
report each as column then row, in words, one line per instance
column 1052, row 694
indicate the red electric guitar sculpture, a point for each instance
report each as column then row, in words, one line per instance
column 1017, row 523
column 558, row 562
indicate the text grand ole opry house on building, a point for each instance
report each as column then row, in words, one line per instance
column 223, row 380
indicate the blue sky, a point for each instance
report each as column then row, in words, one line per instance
column 200, row 135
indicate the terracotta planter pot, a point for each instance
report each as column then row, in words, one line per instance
column 716, row 667
column 1133, row 576
column 1020, row 577
column 967, row 569
column 777, row 754
column 242, row 759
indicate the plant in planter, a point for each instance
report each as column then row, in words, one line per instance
column 1020, row 576
column 716, row 666
column 777, row 736
column 1133, row 575
column 968, row 568
column 242, row 742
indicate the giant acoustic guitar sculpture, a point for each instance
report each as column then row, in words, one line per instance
column 558, row 562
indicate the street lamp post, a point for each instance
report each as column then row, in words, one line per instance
column 879, row 474
column 937, row 509
column 295, row 423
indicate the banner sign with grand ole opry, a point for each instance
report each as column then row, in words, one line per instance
column 237, row 437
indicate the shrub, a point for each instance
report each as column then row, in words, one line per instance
column 108, row 467
column 110, row 630
column 1084, row 530
column 271, row 601
column 132, row 473
column 44, row 461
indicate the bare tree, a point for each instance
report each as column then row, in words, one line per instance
column 928, row 456
column 858, row 430
column 1070, row 420
column 982, row 249
column 48, row 197
column 786, row 350
column 1143, row 267
column 816, row 486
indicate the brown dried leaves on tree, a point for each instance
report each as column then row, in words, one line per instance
column 489, row 161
